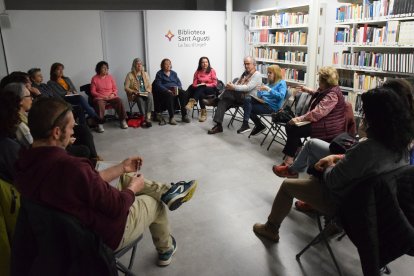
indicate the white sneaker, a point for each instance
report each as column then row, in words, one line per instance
column 124, row 124
column 100, row 128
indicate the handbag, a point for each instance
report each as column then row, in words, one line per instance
column 341, row 143
column 283, row 115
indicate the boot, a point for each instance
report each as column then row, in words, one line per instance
column 267, row 231
column 203, row 115
column 191, row 103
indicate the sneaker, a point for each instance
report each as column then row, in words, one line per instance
column 264, row 231
column 243, row 129
column 179, row 193
column 257, row 129
column 186, row 119
column 283, row 171
column 216, row 129
column 164, row 259
column 124, row 124
column 172, row 121
column 100, row 128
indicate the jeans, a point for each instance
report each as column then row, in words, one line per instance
column 227, row 99
column 312, row 152
column 79, row 100
column 252, row 108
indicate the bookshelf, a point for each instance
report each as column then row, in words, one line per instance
column 373, row 41
column 281, row 36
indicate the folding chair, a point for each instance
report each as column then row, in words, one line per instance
column 118, row 254
column 87, row 89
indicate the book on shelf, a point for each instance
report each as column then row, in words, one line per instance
column 406, row 33
column 279, row 19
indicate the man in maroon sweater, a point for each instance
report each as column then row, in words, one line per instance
column 48, row 175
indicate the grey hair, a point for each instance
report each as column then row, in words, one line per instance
column 136, row 60
column 253, row 60
column 17, row 88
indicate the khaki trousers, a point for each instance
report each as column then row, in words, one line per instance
column 309, row 190
column 148, row 211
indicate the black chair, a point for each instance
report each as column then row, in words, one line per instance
column 118, row 254
column 86, row 88
column 49, row 242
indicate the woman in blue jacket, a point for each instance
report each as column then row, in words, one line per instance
column 269, row 98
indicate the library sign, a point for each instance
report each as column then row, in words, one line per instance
column 189, row 38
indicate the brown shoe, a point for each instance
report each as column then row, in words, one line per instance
column 210, row 102
column 216, row 129
column 190, row 105
column 264, row 231
column 203, row 115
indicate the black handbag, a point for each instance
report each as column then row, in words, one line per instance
column 283, row 115
column 341, row 143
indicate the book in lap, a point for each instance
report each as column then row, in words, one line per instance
column 142, row 94
column 302, row 123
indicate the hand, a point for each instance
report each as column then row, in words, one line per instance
column 112, row 95
column 294, row 121
column 132, row 164
column 326, row 162
column 263, row 87
column 305, row 89
column 34, row 91
column 72, row 140
column 136, row 184
column 230, row 86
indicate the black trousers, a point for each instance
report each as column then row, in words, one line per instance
column 84, row 139
column 294, row 133
column 201, row 92
column 165, row 100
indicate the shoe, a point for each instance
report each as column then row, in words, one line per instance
column 216, row 129
column 303, row 206
column 172, row 121
column 123, row 124
column 157, row 117
column 264, row 231
column 190, row 105
column 244, row 128
column 211, row 102
column 203, row 115
column 257, row 129
column 164, row 259
column 283, row 171
column 186, row 119
column 100, row 128
column 179, row 193
column 149, row 124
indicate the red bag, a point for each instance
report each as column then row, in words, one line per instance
column 136, row 122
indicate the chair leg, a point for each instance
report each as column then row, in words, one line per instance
column 131, row 260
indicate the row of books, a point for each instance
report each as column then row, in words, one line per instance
column 393, row 33
column 280, row 56
column 285, row 19
column 287, row 37
column 287, row 73
column 387, row 62
column 375, row 9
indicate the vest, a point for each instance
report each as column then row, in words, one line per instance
column 332, row 124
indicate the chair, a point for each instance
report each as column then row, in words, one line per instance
column 50, row 242
column 235, row 111
column 220, row 89
column 118, row 254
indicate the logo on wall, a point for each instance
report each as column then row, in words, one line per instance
column 169, row 35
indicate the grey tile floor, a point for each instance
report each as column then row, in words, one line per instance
column 236, row 189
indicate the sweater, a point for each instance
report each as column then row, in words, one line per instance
column 275, row 96
column 51, row 177
column 210, row 79
column 164, row 82
column 131, row 84
column 103, row 87
column 251, row 87
column 58, row 89
column 23, row 135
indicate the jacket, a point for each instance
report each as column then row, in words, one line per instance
column 378, row 217
column 131, row 84
column 275, row 96
column 58, row 89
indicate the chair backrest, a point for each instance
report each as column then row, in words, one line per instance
column 220, row 87
column 50, row 242
column 378, row 217
column 302, row 101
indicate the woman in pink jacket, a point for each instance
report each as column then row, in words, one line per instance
column 204, row 84
column 104, row 91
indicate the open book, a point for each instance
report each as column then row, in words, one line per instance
column 302, row 123
column 142, row 94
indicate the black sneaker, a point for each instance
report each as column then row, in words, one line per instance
column 243, row 129
column 179, row 193
column 257, row 129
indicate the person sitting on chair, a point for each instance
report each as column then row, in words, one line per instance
column 325, row 117
column 46, row 174
column 166, row 87
column 204, row 84
column 63, row 86
column 236, row 93
column 138, row 88
column 269, row 99
column 104, row 91
column 36, row 78
column 390, row 131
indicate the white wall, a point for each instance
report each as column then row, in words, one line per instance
column 185, row 59
column 40, row 38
